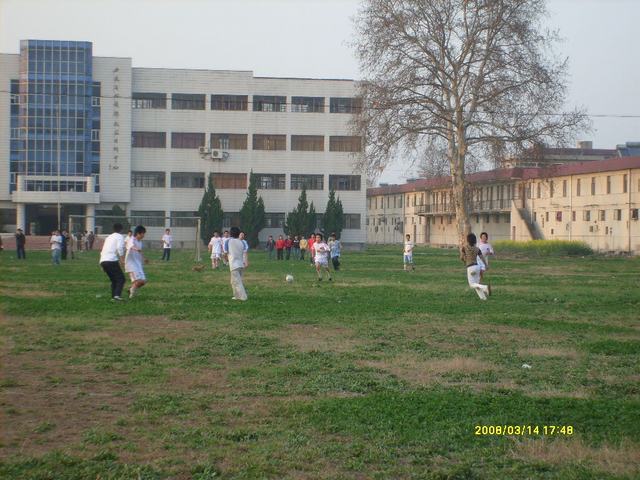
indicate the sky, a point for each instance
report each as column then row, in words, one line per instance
column 312, row 38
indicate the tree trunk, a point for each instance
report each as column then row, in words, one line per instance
column 459, row 187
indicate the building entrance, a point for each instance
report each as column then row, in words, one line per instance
column 43, row 219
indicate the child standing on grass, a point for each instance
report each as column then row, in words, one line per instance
column 237, row 259
column 215, row 249
column 321, row 251
column 469, row 254
column 134, row 260
column 487, row 250
column 408, row 254
column 167, row 243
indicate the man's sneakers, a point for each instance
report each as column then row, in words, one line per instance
column 117, row 299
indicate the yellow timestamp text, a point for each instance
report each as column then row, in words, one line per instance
column 523, row 430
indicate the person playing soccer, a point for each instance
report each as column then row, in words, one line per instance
column 237, row 259
column 215, row 249
column 134, row 260
column 167, row 243
column 321, row 251
column 487, row 250
column 469, row 254
column 111, row 257
column 408, row 254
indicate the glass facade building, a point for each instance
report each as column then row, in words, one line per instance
column 55, row 117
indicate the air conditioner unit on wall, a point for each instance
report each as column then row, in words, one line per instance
column 219, row 155
column 203, row 150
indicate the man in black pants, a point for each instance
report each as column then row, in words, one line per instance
column 111, row 257
column 20, row 242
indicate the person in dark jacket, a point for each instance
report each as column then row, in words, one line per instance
column 21, row 241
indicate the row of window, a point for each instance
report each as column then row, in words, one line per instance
column 609, row 187
column 266, row 181
column 260, row 103
column 156, row 218
column 600, row 215
column 239, row 141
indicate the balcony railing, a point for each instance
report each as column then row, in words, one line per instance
column 479, row 206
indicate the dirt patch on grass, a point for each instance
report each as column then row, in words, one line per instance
column 423, row 372
column 308, row 338
column 622, row 460
column 28, row 293
column 141, row 330
column 549, row 352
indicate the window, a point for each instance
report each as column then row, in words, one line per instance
column 307, row 143
column 149, row 100
column 564, row 188
column 400, row 203
column 15, row 99
column 307, row 104
column 187, row 140
column 274, row 220
column 617, row 214
column 624, row 183
column 15, row 134
column 183, row 219
column 345, row 105
column 230, row 219
column 269, row 142
column 269, row 103
column 344, row 182
column 593, row 185
column 551, row 189
column 309, row 182
column 578, row 188
column 351, row 221
column 602, row 215
column 538, row 192
column 187, row 180
column 148, row 218
column 148, row 139
column 187, row 101
column 573, row 216
column 229, row 141
column 586, row 215
column 634, row 214
column 148, row 179
column 345, row 144
column 229, row 102
column 608, row 184
column 95, row 135
column 271, row 181
column 230, row 180
column 558, row 216
column 95, row 101
column 546, row 216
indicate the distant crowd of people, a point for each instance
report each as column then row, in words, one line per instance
column 64, row 244
column 296, row 247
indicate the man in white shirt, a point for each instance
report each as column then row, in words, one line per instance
column 215, row 249
column 111, row 256
column 408, row 254
column 56, row 247
column 487, row 250
column 134, row 260
column 235, row 250
column 321, row 252
column 167, row 242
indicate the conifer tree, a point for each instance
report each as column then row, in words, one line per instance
column 210, row 212
column 332, row 221
column 252, row 215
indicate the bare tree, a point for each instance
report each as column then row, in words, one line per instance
column 479, row 75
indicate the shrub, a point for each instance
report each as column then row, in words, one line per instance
column 544, row 248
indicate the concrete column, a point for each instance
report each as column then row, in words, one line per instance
column 21, row 216
column 90, row 221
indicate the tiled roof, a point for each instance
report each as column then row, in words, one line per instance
column 511, row 174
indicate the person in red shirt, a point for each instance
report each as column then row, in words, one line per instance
column 279, row 248
column 287, row 246
column 312, row 240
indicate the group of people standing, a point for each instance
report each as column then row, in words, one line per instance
column 296, row 247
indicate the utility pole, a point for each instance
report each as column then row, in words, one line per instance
column 58, row 150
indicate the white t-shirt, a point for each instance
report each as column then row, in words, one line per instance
column 133, row 260
column 167, row 240
column 322, row 251
column 408, row 248
column 216, row 245
column 235, row 247
column 112, row 248
column 56, row 242
column 486, row 249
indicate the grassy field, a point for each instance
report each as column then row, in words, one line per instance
column 382, row 374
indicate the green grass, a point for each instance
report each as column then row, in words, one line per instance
column 544, row 248
column 380, row 374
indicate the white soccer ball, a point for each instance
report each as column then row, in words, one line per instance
column 289, row 278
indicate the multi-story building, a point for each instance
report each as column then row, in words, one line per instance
column 80, row 134
column 596, row 202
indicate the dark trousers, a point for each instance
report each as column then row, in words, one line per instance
column 279, row 252
column 336, row 263
column 166, row 254
column 114, row 272
column 20, row 252
column 64, row 253
column 302, row 253
column 288, row 256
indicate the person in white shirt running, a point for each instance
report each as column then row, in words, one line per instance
column 321, row 253
column 408, row 254
column 111, row 256
column 167, row 243
column 237, row 259
column 215, row 249
column 134, row 260
column 487, row 250
column 56, row 247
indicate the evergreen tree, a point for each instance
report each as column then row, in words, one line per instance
column 311, row 220
column 333, row 215
column 297, row 220
column 210, row 212
column 252, row 216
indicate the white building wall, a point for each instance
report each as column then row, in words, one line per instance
column 9, row 67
